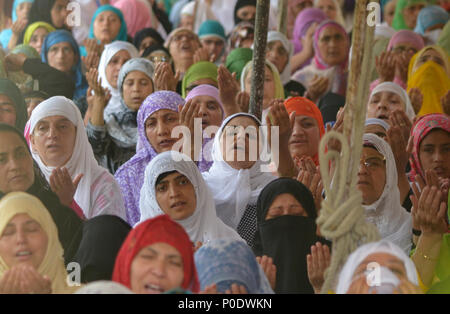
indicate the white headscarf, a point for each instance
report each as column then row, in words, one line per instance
column 108, row 53
column 203, row 225
column 285, row 76
column 380, row 122
column 234, row 189
column 393, row 221
column 396, row 89
column 204, row 13
column 358, row 256
column 82, row 160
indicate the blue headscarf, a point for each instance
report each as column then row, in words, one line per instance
column 60, row 36
column 123, row 25
column 6, row 34
column 430, row 16
column 227, row 261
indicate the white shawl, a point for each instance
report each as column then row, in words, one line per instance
column 393, row 221
column 82, row 160
column 234, row 189
column 203, row 225
column 108, row 53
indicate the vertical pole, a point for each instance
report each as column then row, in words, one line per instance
column 282, row 16
column 259, row 57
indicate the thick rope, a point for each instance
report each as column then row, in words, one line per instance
column 342, row 219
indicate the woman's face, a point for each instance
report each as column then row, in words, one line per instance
column 16, row 164
column 37, row 39
column 53, row 139
column 434, row 153
column 429, row 55
column 214, row 45
column 156, row 269
column 410, row 14
column 114, row 65
column 23, row 241
column 277, row 54
column 32, row 103
column 158, row 128
column 7, row 110
column 285, row 204
column 183, row 45
column 382, row 104
column 389, row 12
column 377, row 130
column 328, row 7
column 371, row 175
column 61, row 57
column 22, row 10
column 239, row 143
column 305, row 137
column 136, row 87
column 301, row 5
column 332, row 45
column 394, row 264
column 106, row 26
column 187, row 21
column 59, row 13
column 247, row 13
column 210, row 110
column 269, row 86
column 175, row 195
column 145, row 43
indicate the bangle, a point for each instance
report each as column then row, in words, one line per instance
column 416, row 232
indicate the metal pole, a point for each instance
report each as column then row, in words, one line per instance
column 259, row 57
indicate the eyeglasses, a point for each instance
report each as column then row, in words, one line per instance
column 178, row 38
column 373, row 163
column 156, row 59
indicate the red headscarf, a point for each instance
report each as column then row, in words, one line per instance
column 305, row 107
column 421, row 128
column 159, row 229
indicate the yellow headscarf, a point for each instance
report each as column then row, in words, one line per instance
column 279, row 89
column 432, row 79
column 53, row 264
column 30, row 30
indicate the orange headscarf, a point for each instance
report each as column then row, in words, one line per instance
column 305, row 107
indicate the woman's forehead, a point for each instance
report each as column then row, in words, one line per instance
column 242, row 121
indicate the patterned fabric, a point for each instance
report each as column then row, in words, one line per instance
column 225, row 262
column 130, row 175
column 247, row 226
column 420, row 130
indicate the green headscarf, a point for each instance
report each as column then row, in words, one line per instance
column 197, row 71
column 10, row 89
column 237, row 59
column 444, row 38
column 27, row 50
column 399, row 22
column 30, row 30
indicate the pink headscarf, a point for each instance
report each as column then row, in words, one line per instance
column 406, row 36
column 136, row 14
column 422, row 127
column 303, row 21
column 206, row 90
column 318, row 60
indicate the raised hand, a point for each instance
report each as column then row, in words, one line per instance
column 385, row 66
column 317, row 262
column 202, row 54
column 445, row 102
column 269, row 269
column 62, row 185
column 317, row 88
column 91, row 60
column 164, row 78
column 10, row 281
column 429, row 211
column 92, row 46
column 310, row 176
column 14, row 61
column 236, row 289
column 34, row 283
column 401, row 65
column 416, row 97
column 243, row 101
column 279, row 117
column 188, row 113
column 18, row 26
column 228, row 90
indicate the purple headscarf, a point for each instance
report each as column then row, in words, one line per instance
column 130, row 175
column 303, row 21
column 206, row 90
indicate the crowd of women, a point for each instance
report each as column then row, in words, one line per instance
column 94, row 174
